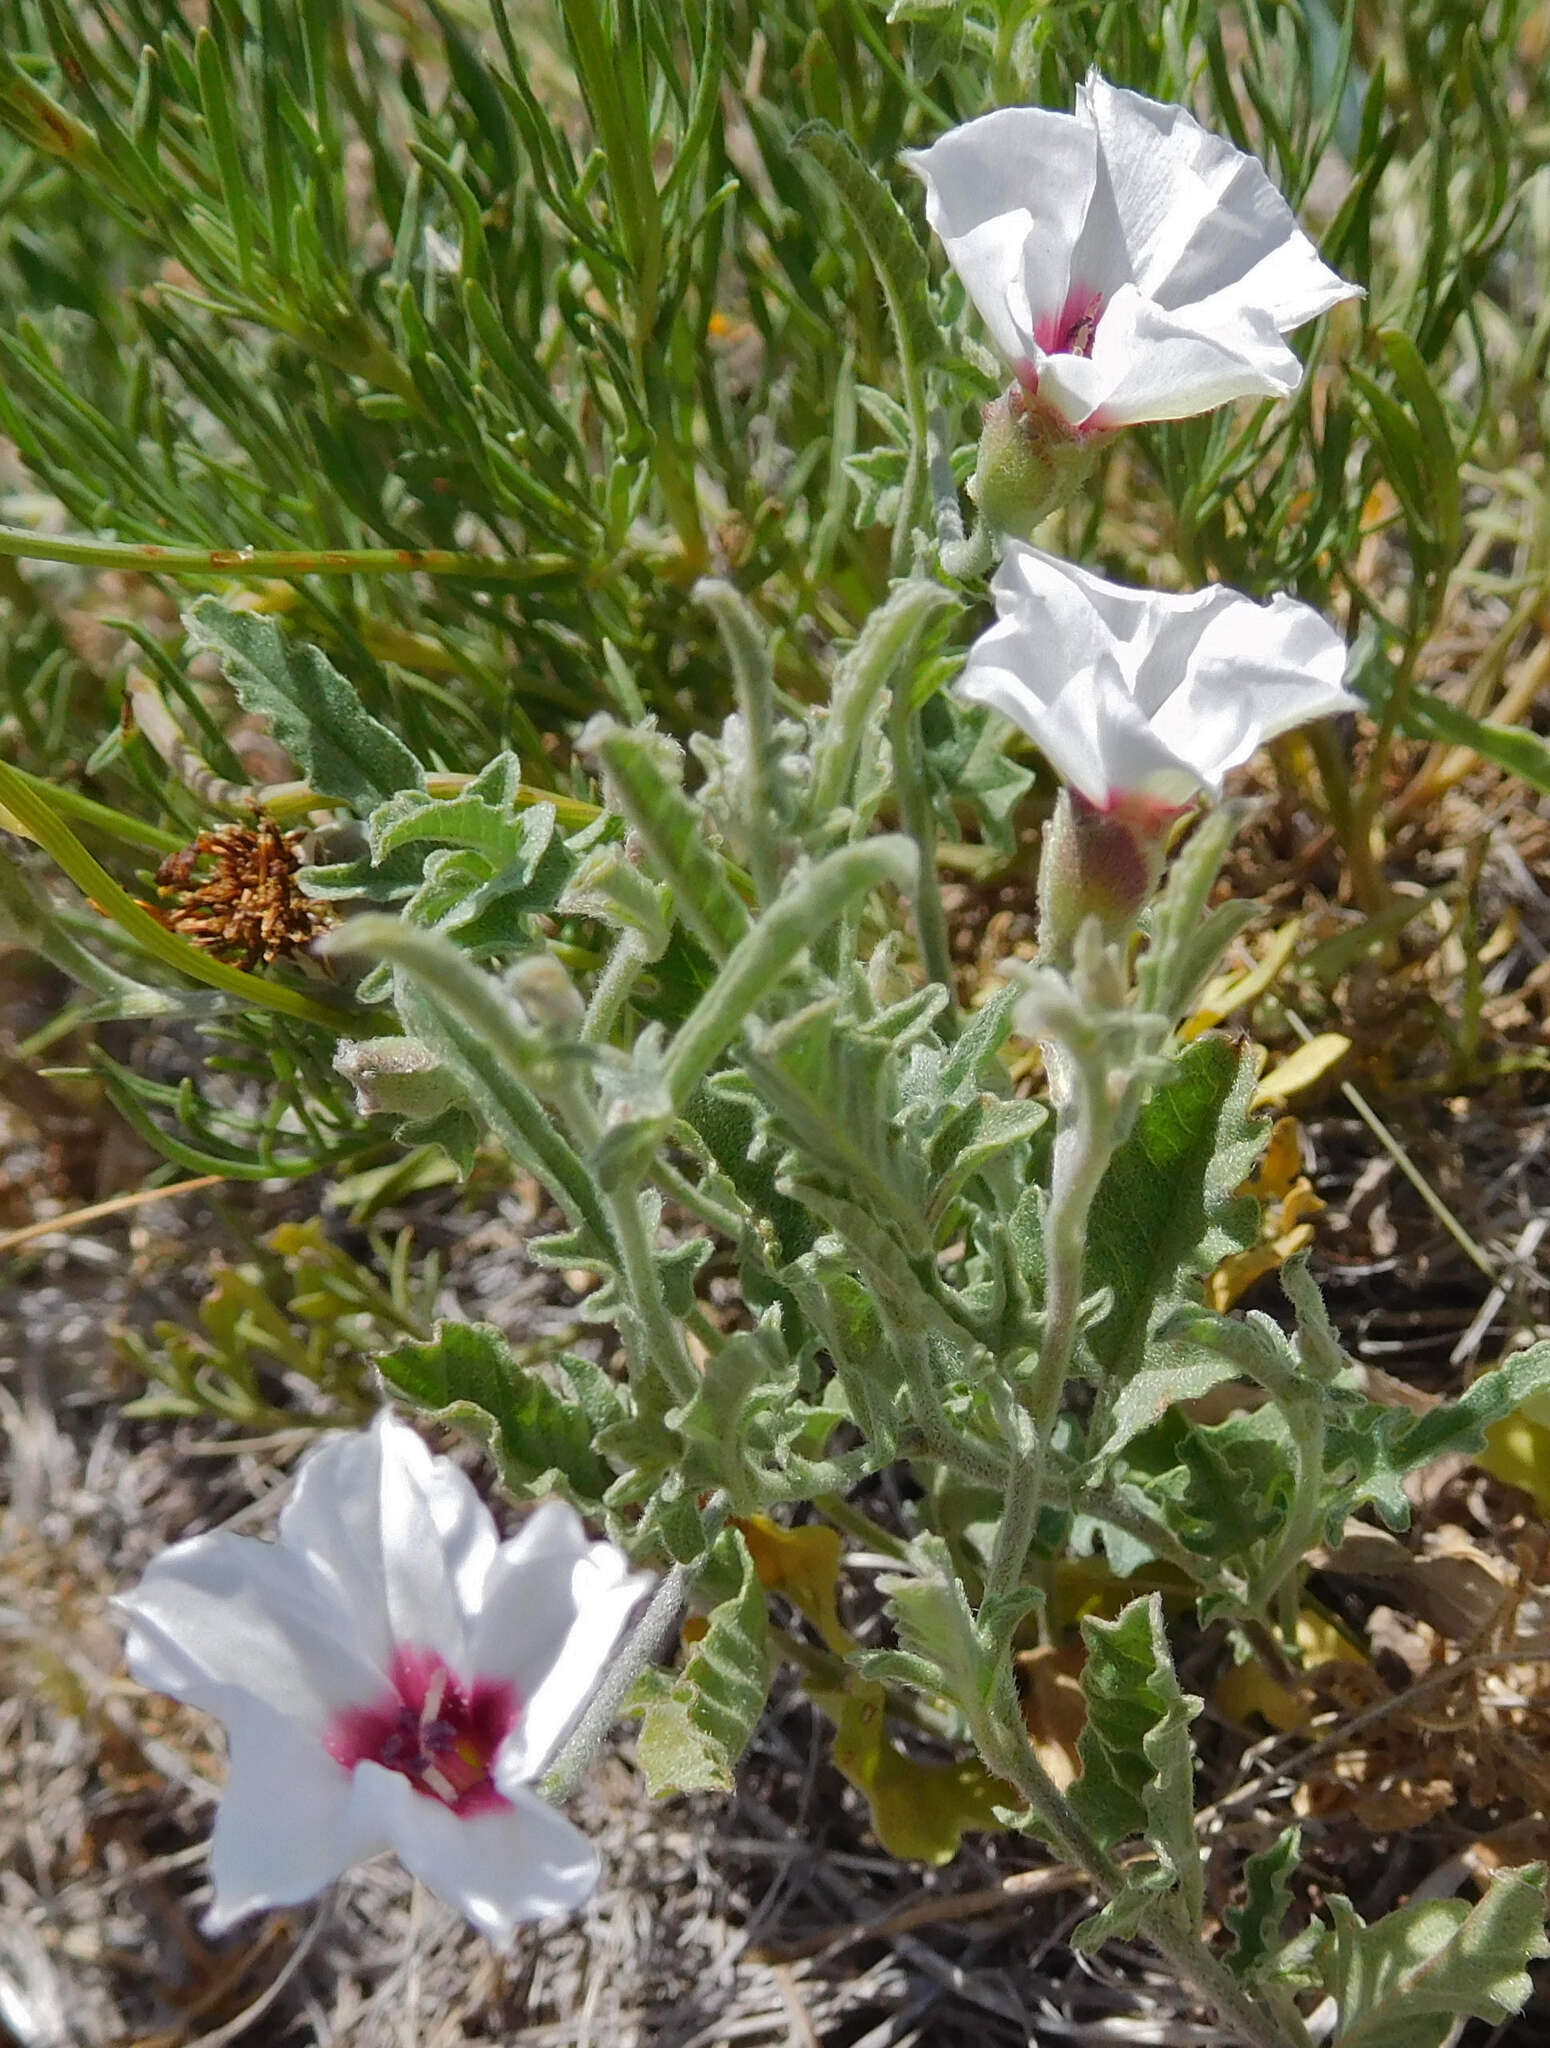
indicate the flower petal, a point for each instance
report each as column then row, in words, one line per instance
column 1093, row 734
column 1008, row 196
column 498, row 1868
column 1256, row 671
column 402, row 1536
column 1148, row 364
column 284, row 1829
column 606, row 1594
column 1200, row 218
column 1139, row 692
column 554, row 1609
column 221, row 1619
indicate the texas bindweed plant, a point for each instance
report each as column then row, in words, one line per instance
column 1002, row 1293
column 710, row 1007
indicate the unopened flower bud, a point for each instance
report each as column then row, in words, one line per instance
column 396, row 1077
column 1030, row 463
column 1099, row 863
column 547, row 993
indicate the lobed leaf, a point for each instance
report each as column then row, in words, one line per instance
column 1405, row 1981
column 694, row 1728
column 469, row 1377
column 311, row 709
column 1138, row 1767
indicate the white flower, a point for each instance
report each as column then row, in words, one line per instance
column 1135, row 695
column 1129, row 265
column 391, row 1675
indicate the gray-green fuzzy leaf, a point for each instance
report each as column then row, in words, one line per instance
column 696, row 1727
column 310, row 708
column 469, row 1376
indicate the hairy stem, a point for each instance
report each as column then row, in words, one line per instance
column 1005, row 1749
column 918, row 820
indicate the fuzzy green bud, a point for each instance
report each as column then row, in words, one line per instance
column 1101, row 864
column 1030, row 463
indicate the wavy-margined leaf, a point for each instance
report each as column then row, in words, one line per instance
column 695, row 1727
column 468, row 1375
column 1374, row 1448
column 900, row 261
column 1167, row 1211
column 1256, row 1926
column 945, row 1649
column 1138, row 1766
column 311, row 709
column 486, row 815
column 744, row 1412
column 674, row 835
column 1406, row 1980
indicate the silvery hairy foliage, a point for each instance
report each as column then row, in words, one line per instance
column 734, row 1057
column 714, row 1015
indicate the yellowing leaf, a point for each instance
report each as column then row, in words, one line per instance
column 920, row 1811
column 804, row 1565
column 1517, row 1451
column 1302, row 1069
column 1286, row 1227
column 1229, row 992
column 1251, row 1689
column 1278, row 1171
column 1054, row 1708
column 1237, row 1273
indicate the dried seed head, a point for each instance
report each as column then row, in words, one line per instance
column 234, row 892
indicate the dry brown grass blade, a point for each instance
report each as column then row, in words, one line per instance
column 76, row 1219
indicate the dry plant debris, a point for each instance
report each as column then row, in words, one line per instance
column 234, row 893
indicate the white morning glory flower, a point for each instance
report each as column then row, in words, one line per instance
column 1140, row 698
column 1129, row 264
column 391, row 1675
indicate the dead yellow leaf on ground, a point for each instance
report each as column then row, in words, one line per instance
column 1517, row 1450
column 1301, row 1070
column 1229, row 992
column 1288, row 1206
column 1054, row 1708
column 1088, row 1585
column 804, row 1565
column 1250, row 1689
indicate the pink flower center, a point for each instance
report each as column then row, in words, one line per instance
column 1071, row 331
column 442, row 1736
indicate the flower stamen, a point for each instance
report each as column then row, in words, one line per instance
column 440, row 1736
column 1080, row 335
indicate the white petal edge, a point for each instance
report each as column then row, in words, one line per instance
column 402, row 1534
column 1008, row 197
column 529, row 1605
column 605, row 1593
column 283, row 1830
column 1133, row 690
column 500, row 1868
column 1202, row 217
column 223, row 1618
